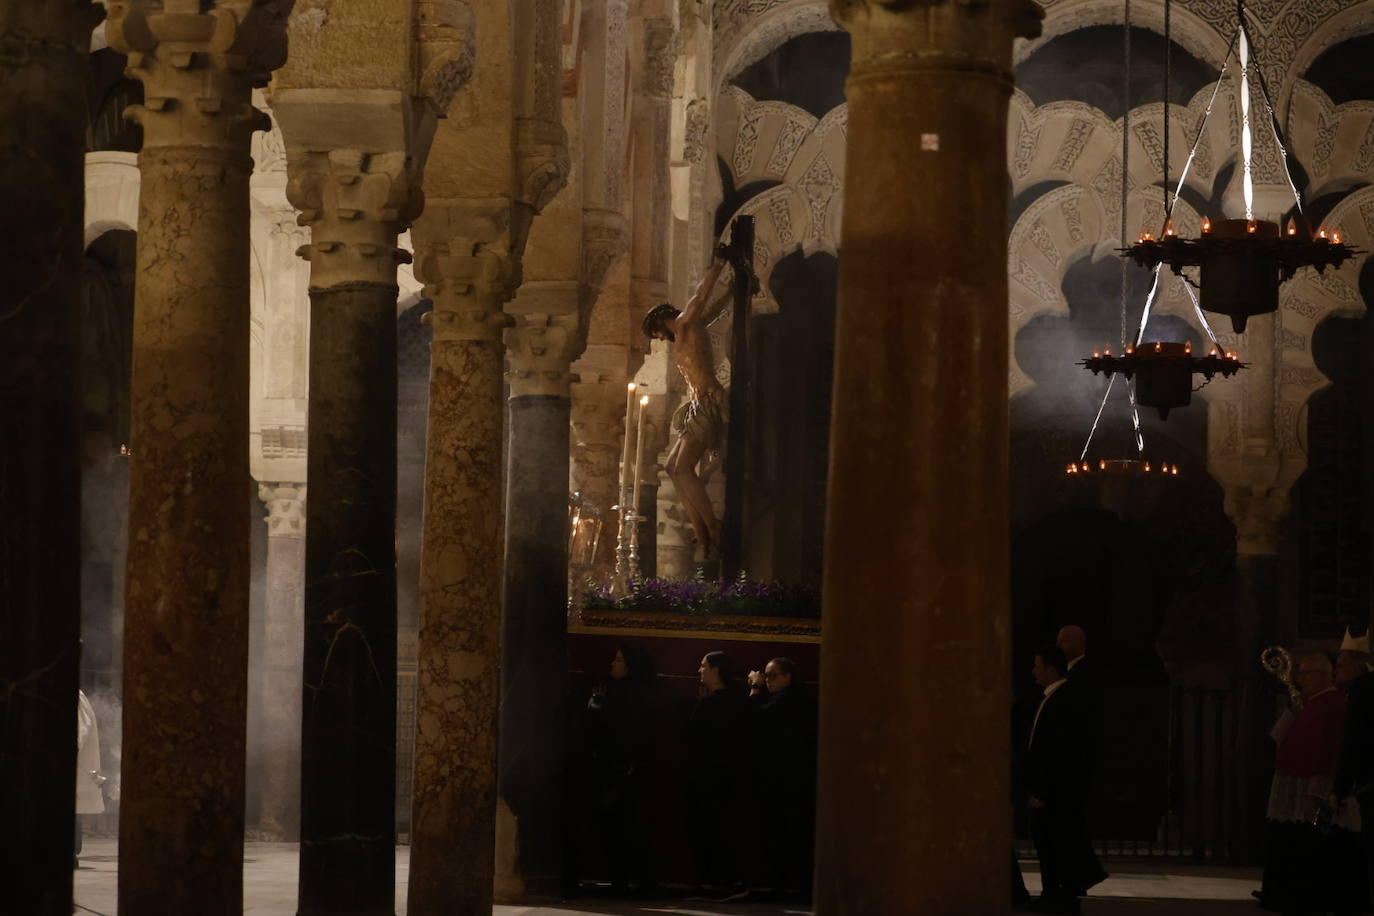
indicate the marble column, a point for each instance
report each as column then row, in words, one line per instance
column 534, row 629
column 920, row 384
column 465, row 265
column 355, row 203
column 279, row 804
column 186, row 611
column 43, row 75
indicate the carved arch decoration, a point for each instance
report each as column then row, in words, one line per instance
column 1059, row 229
column 1290, row 32
column 1336, row 142
column 746, row 31
column 1305, row 302
column 1201, row 32
column 1078, row 143
column 1354, row 20
column 112, row 182
column 779, row 142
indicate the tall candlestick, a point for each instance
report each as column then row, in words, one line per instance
column 625, row 450
column 632, row 521
column 639, row 451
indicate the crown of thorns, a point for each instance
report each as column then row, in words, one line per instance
column 657, row 315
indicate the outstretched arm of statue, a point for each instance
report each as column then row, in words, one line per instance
column 697, row 304
column 717, row 306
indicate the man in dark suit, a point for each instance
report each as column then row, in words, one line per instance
column 1058, row 777
column 1082, row 674
column 1073, row 642
column 784, row 725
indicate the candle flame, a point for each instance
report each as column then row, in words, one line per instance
column 1169, row 227
column 1102, row 465
column 1206, row 224
column 1321, row 233
column 1129, row 349
column 644, row 400
column 1147, row 466
column 1336, row 237
column 631, row 386
column 1292, row 226
column 1251, row 226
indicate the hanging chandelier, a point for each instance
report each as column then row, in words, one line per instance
column 1241, row 262
column 1122, row 467
column 1164, row 371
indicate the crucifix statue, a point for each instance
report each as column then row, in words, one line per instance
column 701, row 422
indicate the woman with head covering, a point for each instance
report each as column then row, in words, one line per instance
column 620, row 722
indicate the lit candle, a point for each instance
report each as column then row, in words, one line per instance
column 1336, row 237
column 639, row 451
column 625, row 450
column 1206, row 224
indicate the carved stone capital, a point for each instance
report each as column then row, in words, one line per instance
column 539, row 352
column 355, row 204
column 285, row 503
column 660, row 58
column 463, row 257
column 603, row 240
column 446, row 48
column 541, row 154
column 1256, row 513
column 197, row 70
column 906, row 35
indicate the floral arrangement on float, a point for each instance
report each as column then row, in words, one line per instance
column 702, row 604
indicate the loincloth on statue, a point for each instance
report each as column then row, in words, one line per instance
column 704, row 418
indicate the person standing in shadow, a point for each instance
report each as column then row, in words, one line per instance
column 716, row 733
column 620, row 722
column 784, row 763
column 1058, row 777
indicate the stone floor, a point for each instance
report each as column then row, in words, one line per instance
column 1136, row 889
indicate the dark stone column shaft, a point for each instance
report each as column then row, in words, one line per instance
column 43, row 73
column 348, row 725
column 534, row 639
column 920, row 386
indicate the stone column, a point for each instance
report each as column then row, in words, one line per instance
column 650, row 122
column 355, row 203
column 534, row 632
column 598, row 422
column 920, row 384
column 44, row 48
column 186, row 612
column 465, row 265
column 1256, row 479
column 279, row 807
